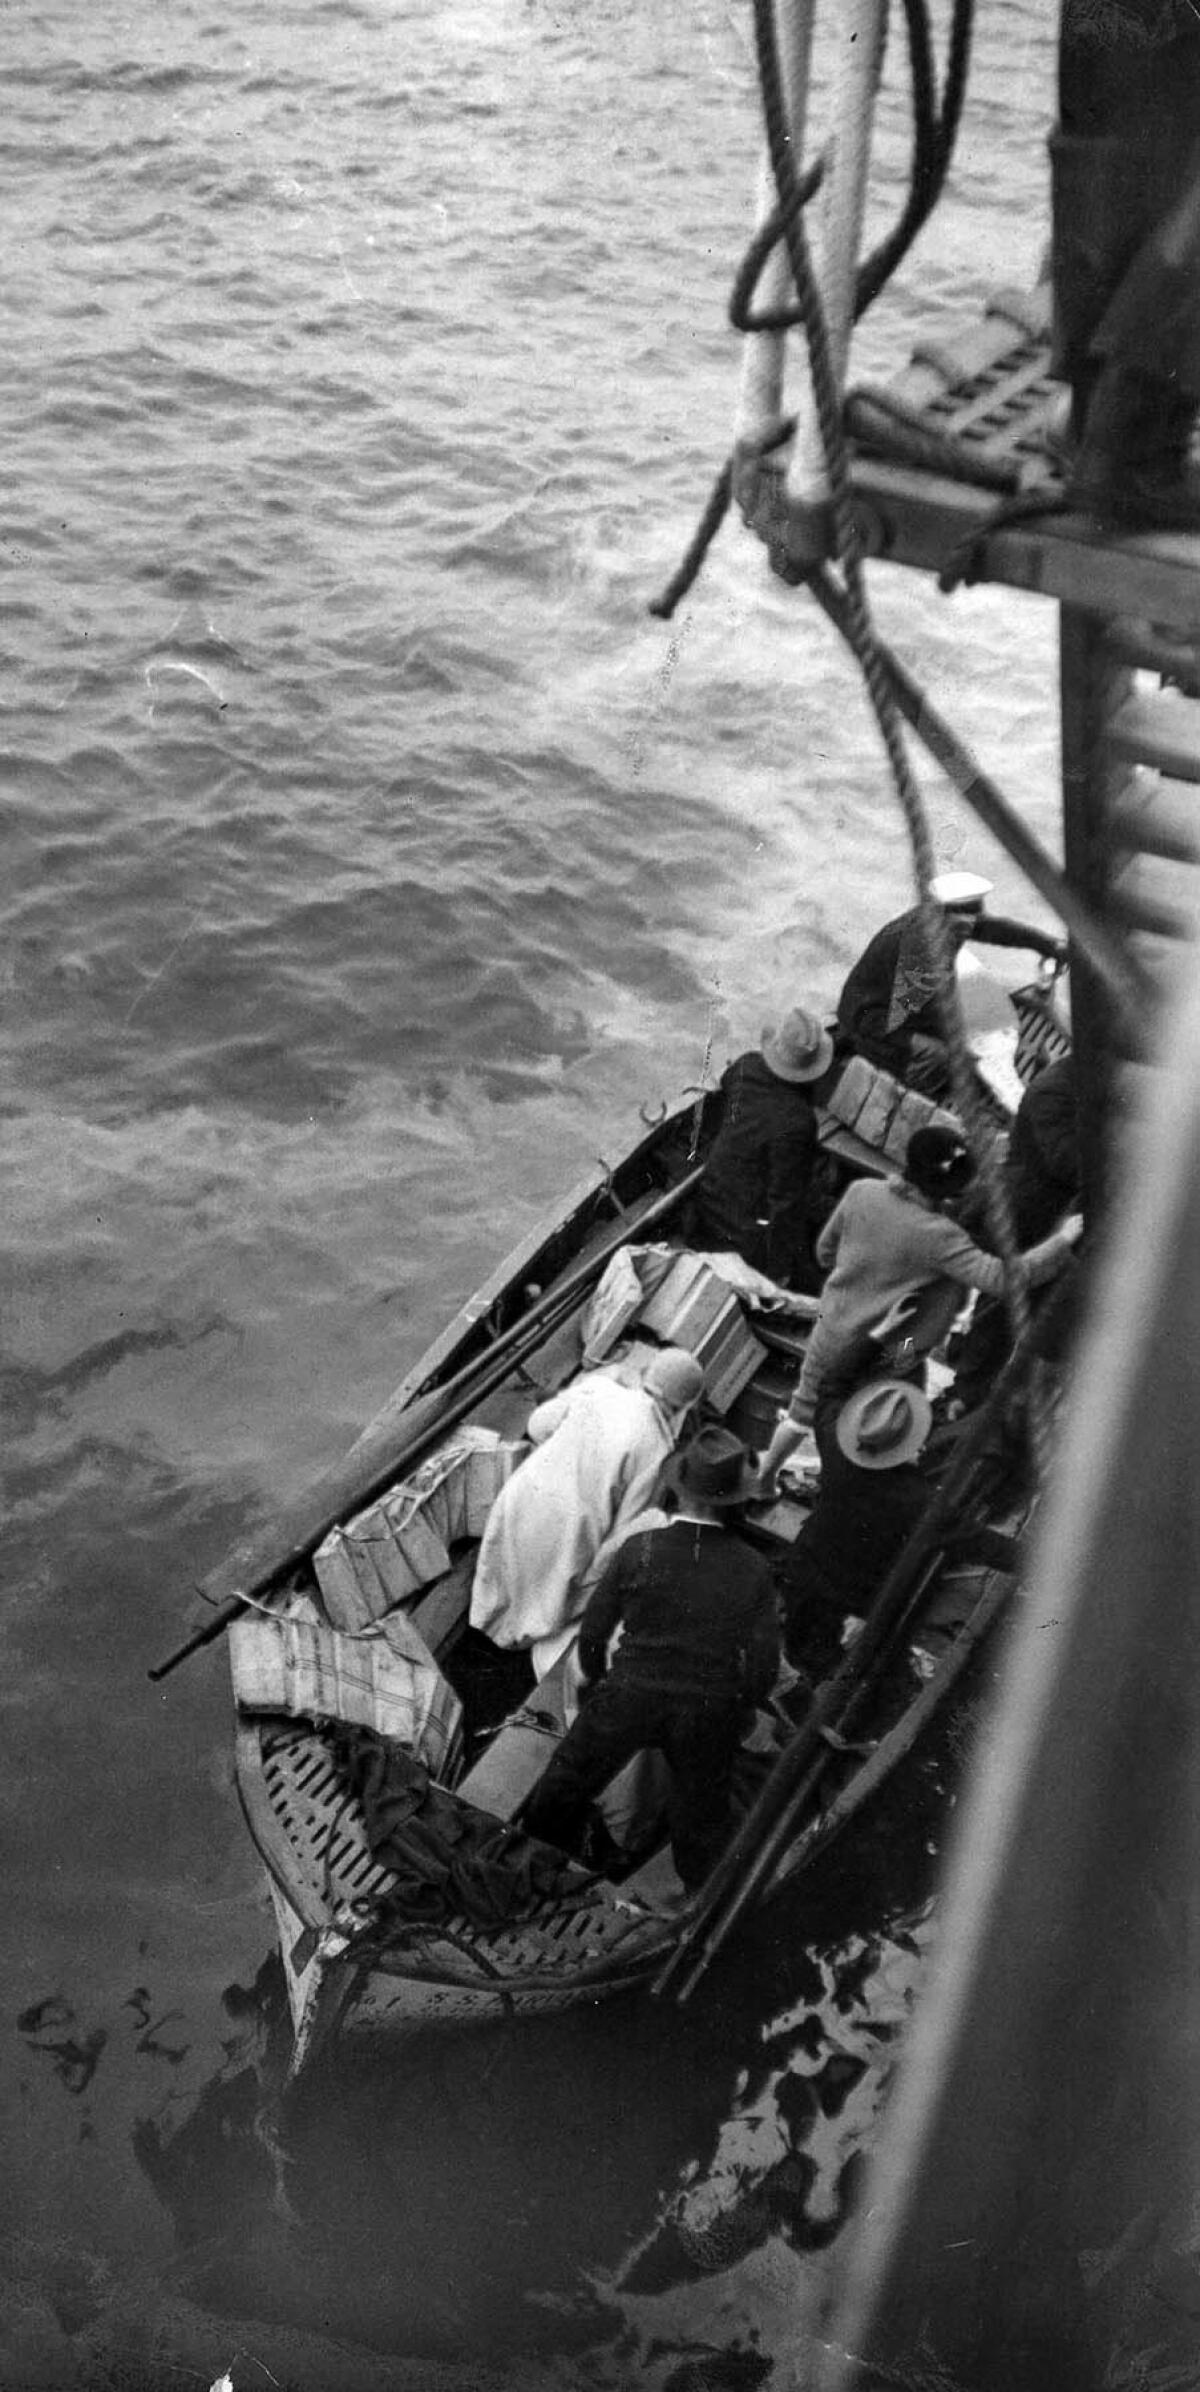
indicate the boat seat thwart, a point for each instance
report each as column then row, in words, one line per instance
column 517, row 1755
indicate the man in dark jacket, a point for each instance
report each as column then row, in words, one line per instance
column 754, row 1197
column 890, row 1007
column 1042, row 1167
column 1042, row 1176
column 874, row 1487
column 699, row 1648
column 881, row 1462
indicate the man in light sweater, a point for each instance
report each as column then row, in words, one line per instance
column 888, row 1241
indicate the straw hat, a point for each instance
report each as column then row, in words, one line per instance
column 675, row 1377
column 715, row 1467
column 799, row 1048
column 961, row 891
column 885, row 1424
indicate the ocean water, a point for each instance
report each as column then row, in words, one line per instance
column 370, row 856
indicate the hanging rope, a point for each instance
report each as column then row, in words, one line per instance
column 742, row 315
column 864, row 645
column 935, row 127
column 935, row 131
column 716, row 509
column 968, row 560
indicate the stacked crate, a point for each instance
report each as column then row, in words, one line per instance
column 365, row 1653
column 401, row 1543
column 382, row 1677
column 880, row 1110
column 693, row 1308
column 681, row 1301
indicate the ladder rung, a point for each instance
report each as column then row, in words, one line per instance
column 1153, row 647
column 1161, row 959
column 1158, row 817
column 1137, row 908
column 1162, row 730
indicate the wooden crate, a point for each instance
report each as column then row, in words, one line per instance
column 389, row 1553
column 384, row 1679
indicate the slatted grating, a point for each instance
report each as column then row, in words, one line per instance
column 979, row 406
column 326, row 1833
column 324, row 1825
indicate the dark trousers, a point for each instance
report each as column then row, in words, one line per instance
column 698, row 1741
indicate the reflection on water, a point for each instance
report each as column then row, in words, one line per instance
column 654, row 2187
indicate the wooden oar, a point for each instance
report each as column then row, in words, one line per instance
column 753, row 1850
column 374, row 1462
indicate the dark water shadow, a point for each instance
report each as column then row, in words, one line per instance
column 499, row 2190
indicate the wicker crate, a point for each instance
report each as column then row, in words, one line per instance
column 384, row 1679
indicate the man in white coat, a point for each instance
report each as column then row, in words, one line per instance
column 599, row 1447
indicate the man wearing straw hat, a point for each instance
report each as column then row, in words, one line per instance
column 873, row 1491
column 754, row 1197
column 880, row 1467
column 699, row 1648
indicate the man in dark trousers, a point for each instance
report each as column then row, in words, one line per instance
column 699, row 1648
column 1042, row 1167
column 1043, row 1177
column 754, row 1196
column 881, row 1463
column 875, row 1484
column 890, row 1007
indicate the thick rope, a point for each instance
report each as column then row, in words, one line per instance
column 742, row 315
column 935, row 130
column 934, row 136
column 862, row 639
column 715, row 511
column 968, row 561
column 923, row 180
column 877, row 419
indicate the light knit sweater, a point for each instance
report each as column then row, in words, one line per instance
column 881, row 1242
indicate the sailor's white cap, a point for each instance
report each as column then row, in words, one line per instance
column 959, row 888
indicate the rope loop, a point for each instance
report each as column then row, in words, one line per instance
column 935, row 130
column 762, row 245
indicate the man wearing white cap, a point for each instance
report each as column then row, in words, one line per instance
column 890, row 1007
column 599, row 1446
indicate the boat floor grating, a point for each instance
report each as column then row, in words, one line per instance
column 326, row 1833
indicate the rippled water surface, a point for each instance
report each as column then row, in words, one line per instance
column 370, row 854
